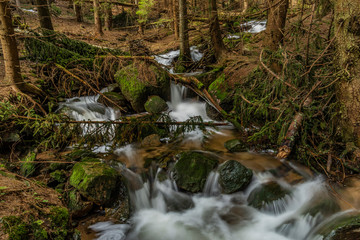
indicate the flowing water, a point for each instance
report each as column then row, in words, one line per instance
column 162, row 212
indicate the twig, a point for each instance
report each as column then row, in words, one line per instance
column 87, row 84
column 274, row 74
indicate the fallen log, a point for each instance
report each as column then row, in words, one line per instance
column 126, row 122
column 289, row 140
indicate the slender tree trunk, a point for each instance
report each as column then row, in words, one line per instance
column 44, row 14
column 215, row 33
column 11, row 57
column 245, row 6
column 77, row 8
column 184, row 34
column 176, row 18
column 276, row 23
column 18, row 3
column 108, row 16
column 347, row 28
column 97, row 18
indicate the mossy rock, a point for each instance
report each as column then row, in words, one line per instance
column 235, row 145
column 266, row 193
column 223, row 92
column 28, row 167
column 192, row 169
column 341, row 228
column 77, row 206
column 234, row 176
column 59, row 176
column 155, row 104
column 152, row 140
column 58, row 166
column 96, row 181
column 60, row 219
column 138, row 81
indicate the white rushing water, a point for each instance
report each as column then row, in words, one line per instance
column 254, row 26
column 164, row 213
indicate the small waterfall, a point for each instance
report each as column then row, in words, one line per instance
column 162, row 212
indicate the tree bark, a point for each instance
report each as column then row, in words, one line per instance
column 347, row 27
column 184, row 34
column 97, row 18
column 215, row 33
column 44, row 14
column 77, row 8
column 176, row 18
column 11, row 57
column 108, row 16
column 276, row 23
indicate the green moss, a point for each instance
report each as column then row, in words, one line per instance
column 79, row 154
column 59, row 217
column 219, row 88
column 155, row 104
column 15, row 227
column 59, row 176
column 192, row 169
column 137, row 87
column 234, row 176
column 28, row 167
column 95, row 180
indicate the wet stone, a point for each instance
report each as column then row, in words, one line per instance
column 235, row 145
column 234, row 176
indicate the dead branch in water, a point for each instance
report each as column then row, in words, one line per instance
column 125, row 122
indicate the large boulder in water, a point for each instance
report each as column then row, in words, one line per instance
column 192, row 169
column 234, row 176
column 138, row 81
column 155, row 104
column 235, row 145
column 96, row 181
column 266, row 193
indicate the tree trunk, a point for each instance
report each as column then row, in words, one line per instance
column 77, row 8
column 108, row 16
column 176, row 18
column 215, row 33
column 184, row 34
column 11, row 57
column 44, row 14
column 97, row 19
column 276, row 23
column 347, row 27
column 245, row 6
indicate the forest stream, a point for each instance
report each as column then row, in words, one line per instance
column 282, row 201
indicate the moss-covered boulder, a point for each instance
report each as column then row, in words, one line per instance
column 152, row 140
column 96, row 181
column 221, row 89
column 78, row 154
column 138, row 81
column 234, row 176
column 235, row 145
column 77, row 206
column 155, row 104
column 265, row 194
column 28, row 167
column 192, row 169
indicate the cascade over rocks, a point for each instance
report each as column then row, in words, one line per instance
column 96, row 181
column 140, row 80
column 234, row 176
column 192, row 169
column 266, row 193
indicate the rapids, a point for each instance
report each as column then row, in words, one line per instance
column 162, row 212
